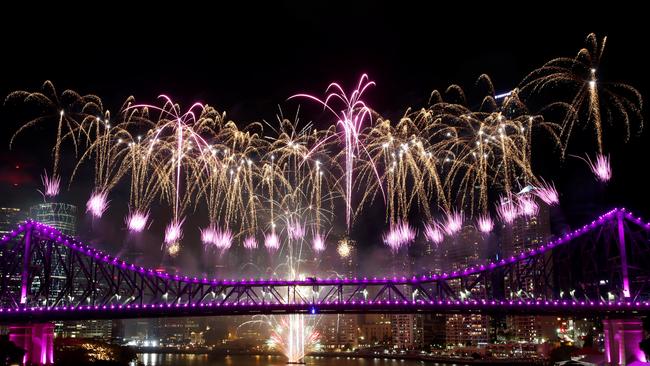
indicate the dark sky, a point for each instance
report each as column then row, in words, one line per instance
column 247, row 59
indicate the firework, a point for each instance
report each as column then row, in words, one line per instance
column 433, row 233
column 250, row 242
column 174, row 232
column 136, row 221
column 97, row 204
column 527, row 205
column 271, row 241
column 208, row 235
column 399, row 235
column 454, row 222
column 484, row 223
column 601, row 168
column 222, row 239
column 351, row 119
column 296, row 230
column 547, row 193
column 593, row 98
column 51, row 185
column 507, row 209
column 318, row 243
column 344, row 249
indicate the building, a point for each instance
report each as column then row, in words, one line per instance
column 375, row 330
column 523, row 233
column 10, row 217
column 62, row 216
column 406, row 331
column 339, row 332
column 468, row 247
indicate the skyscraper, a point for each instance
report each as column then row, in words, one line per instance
column 460, row 251
column 62, row 216
column 523, row 233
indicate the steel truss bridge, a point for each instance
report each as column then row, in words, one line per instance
column 602, row 268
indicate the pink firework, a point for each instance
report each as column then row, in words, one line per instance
column 51, row 185
column 271, row 241
column 318, row 243
column 351, row 118
column 222, row 239
column 174, row 231
column 296, row 230
column 547, row 193
column 433, row 233
column 136, row 221
column 507, row 209
column 250, row 242
column 399, row 235
column 485, row 223
column 454, row 222
column 527, row 205
column 97, row 203
column 601, row 168
column 208, row 235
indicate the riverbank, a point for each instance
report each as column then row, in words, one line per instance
column 428, row 358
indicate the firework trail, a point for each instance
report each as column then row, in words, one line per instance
column 351, row 119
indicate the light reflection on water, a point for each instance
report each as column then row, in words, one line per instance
column 159, row 359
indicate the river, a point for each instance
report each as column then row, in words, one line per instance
column 159, row 359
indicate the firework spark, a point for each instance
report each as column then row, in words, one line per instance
column 97, row 204
column 547, row 193
column 593, row 99
column 454, row 222
column 344, row 249
column 399, row 235
column 318, row 243
column 250, row 242
column 507, row 209
column 601, row 168
column 174, row 231
column 51, row 185
column 351, row 119
column 136, row 221
column 527, row 205
column 271, row 241
column 433, row 233
column 485, row 223
column 296, row 230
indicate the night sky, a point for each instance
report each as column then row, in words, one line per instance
column 248, row 59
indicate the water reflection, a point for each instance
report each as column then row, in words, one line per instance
column 158, row 359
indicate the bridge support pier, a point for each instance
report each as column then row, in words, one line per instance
column 37, row 340
column 622, row 338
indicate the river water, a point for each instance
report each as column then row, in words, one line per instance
column 158, row 359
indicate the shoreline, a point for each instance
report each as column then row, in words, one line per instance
column 413, row 357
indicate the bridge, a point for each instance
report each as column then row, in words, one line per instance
column 600, row 269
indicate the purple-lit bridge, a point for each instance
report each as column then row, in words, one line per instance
column 601, row 269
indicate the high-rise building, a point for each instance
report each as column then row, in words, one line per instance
column 523, row 233
column 339, row 331
column 406, row 331
column 468, row 247
column 62, row 216
column 10, row 217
